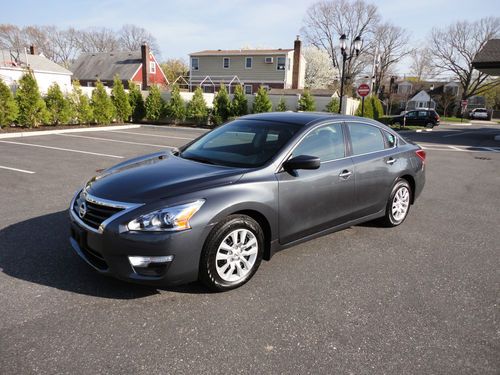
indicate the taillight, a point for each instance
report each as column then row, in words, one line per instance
column 421, row 155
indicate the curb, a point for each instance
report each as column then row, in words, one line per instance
column 173, row 127
column 78, row 130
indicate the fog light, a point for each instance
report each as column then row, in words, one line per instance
column 137, row 261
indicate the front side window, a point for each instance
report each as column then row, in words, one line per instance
column 365, row 139
column 390, row 139
column 326, row 142
column 411, row 114
column 195, row 63
column 248, row 62
column 225, row 62
column 281, row 63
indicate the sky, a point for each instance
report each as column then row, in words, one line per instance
column 185, row 26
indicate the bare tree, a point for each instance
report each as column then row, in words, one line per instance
column 455, row 47
column 422, row 66
column 98, row 40
column 41, row 37
column 173, row 68
column 390, row 46
column 319, row 69
column 12, row 37
column 131, row 38
column 65, row 46
column 326, row 21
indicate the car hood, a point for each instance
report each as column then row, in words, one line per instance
column 158, row 176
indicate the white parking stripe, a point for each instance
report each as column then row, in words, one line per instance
column 148, row 135
column 63, row 149
column 15, row 169
column 113, row 140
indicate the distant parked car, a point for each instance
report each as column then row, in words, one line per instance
column 423, row 117
column 479, row 114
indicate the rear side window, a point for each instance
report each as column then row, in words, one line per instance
column 365, row 139
column 326, row 142
column 422, row 114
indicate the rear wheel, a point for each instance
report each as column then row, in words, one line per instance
column 398, row 204
column 429, row 125
column 232, row 253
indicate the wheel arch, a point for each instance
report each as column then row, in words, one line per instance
column 265, row 226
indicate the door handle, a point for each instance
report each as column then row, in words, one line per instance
column 391, row 161
column 345, row 174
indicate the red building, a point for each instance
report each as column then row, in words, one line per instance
column 138, row 66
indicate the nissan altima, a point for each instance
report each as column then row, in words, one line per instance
column 214, row 208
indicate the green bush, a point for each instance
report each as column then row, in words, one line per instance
column 281, row 107
column 373, row 108
column 222, row 106
column 239, row 104
column 333, row 105
column 197, row 110
column 8, row 106
column 103, row 109
column 120, row 101
column 32, row 109
column 59, row 109
column 136, row 102
column 176, row 108
column 80, row 104
column 306, row 102
column 262, row 103
column 155, row 105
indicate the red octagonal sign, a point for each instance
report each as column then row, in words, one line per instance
column 363, row 90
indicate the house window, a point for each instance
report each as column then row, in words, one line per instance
column 248, row 62
column 281, row 63
column 152, row 67
column 195, row 63
column 225, row 62
column 249, row 89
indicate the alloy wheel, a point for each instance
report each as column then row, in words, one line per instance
column 236, row 255
column 400, row 203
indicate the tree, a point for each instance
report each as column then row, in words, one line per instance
column 131, row 37
column 81, row 108
column 222, row 106
column 98, row 40
column 12, row 38
column 446, row 102
column 136, row 102
column 102, row 106
column 333, row 105
column 455, row 47
column 8, row 106
column 173, row 68
column 372, row 108
column 492, row 96
column 421, row 66
column 58, row 107
column 120, row 101
column 239, row 104
column 325, row 21
column 306, row 102
column 176, row 108
column 155, row 105
column 262, row 103
column 319, row 69
column 197, row 110
column 281, row 107
column 32, row 110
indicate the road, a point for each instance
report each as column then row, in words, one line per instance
column 421, row 298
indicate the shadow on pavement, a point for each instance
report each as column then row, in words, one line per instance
column 38, row 250
column 469, row 137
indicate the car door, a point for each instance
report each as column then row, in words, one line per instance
column 423, row 117
column 376, row 166
column 411, row 118
column 313, row 200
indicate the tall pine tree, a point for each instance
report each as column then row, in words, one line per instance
column 197, row 110
column 32, row 110
column 82, row 110
column 8, row 106
column 102, row 106
column 262, row 102
column 306, row 102
column 239, row 104
column 222, row 106
column 155, row 105
column 120, row 100
column 136, row 102
column 176, row 108
column 59, row 110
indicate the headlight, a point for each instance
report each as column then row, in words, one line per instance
column 173, row 218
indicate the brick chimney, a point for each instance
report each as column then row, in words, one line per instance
column 145, row 66
column 33, row 50
column 297, row 46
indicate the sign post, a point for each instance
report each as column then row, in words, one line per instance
column 363, row 90
column 464, row 107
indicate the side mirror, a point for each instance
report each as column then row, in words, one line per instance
column 302, row 162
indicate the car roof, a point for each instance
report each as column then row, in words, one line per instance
column 302, row 118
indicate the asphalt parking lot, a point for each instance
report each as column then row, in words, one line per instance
column 422, row 298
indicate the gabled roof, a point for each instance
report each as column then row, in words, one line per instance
column 104, row 66
column 240, row 52
column 37, row 63
column 488, row 59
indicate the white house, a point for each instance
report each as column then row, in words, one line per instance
column 13, row 65
column 421, row 100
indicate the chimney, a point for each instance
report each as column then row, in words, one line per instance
column 297, row 46
column 145, row 66
column 33, row 50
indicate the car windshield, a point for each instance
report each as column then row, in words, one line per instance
column 241, row 143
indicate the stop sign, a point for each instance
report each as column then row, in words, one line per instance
column 363, row 90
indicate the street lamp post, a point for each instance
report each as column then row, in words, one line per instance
column 343, row 49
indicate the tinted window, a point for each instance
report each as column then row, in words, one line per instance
column 241, row 143
column 326, row 142
column 365, row 139
column 422, row 114
column 412, row 114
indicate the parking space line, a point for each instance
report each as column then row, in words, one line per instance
column 16, row 170
column 63, row 149
column 113, row 140
column 148, row 135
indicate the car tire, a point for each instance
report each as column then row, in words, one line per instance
column 398, row 204
column 429, row 125
column 227, row 261
column 397, row 123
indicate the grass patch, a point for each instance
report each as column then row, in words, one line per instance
column 407, row 127
column 453, row 119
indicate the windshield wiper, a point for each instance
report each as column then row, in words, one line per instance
column 196, row 158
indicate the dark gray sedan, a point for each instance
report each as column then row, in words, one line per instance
column 212, row 210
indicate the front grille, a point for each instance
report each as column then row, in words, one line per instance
column 95, row 214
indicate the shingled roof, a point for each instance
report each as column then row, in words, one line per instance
column 104, row 66
column 37, row 63
column 488, row 59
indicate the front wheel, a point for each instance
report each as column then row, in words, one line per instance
column 232, row 253
column 398, row 204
